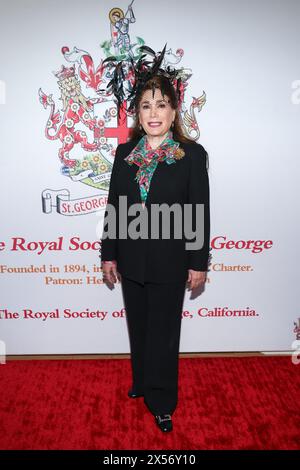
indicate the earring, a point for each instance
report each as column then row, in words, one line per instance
column 140, row 127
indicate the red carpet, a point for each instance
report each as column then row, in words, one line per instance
column 224, row 403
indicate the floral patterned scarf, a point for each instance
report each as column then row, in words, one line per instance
column 147, row 160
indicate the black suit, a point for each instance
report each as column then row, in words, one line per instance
column 162, row 260
column 154, row 272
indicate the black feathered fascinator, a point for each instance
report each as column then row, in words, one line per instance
column 129, row 77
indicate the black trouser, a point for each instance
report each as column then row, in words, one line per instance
column 154, row 314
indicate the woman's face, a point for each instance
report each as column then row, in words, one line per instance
column 155, row 113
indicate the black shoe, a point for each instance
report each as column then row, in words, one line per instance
column 133, row 394
column 164, row 422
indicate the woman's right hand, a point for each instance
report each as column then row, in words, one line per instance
column 110, row 273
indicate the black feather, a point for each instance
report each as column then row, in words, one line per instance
column 143, row 70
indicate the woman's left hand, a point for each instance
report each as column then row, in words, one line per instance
column 196, row 278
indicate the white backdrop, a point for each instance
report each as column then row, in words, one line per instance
column 245, row 56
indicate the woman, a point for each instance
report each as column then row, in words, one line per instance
column 158, row 166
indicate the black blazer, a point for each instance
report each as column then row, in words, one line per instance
column 185, row 181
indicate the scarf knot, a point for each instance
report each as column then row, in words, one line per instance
column 147, row 160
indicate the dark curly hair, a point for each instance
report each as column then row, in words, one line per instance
column 165, row 86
